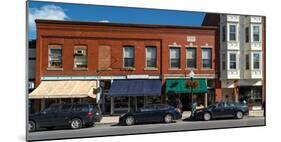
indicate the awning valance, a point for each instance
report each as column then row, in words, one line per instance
column 176, row 86
column 64, row 89
column 149, row 87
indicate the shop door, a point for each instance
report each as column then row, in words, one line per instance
column 185, row 99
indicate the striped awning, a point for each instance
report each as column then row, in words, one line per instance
column 64, row 89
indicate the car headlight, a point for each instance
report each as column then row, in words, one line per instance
column 97, row 113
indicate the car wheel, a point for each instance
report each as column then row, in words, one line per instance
column 76, row 123
column 130, row 120
column 31, row 126
column 239, row 115
column 168, row 118
column 207, row 116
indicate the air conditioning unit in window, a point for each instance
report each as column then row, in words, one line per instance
column 80, row 52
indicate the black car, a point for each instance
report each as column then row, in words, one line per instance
column 151, row 113
column 222, row 110
column 74, row 115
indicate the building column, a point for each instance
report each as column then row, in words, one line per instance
column 111, row 105
column 206, row 99
column 42, row 104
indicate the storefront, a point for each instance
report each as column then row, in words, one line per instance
column 50, row 92
column 177, row 88
column 127, row 95
column 251, row 94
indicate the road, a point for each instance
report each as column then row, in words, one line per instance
column 114, row 129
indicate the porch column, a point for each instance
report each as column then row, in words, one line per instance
column 206, row 99
column 111, row 105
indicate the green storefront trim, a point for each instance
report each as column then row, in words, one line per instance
column 177, row 86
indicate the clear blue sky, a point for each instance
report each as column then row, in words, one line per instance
column 76, row 12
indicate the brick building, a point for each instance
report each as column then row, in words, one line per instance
column 124, row 66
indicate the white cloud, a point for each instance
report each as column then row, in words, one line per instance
column 50, row 12
column 104, row 21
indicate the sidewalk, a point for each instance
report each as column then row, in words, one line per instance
column 115, row 119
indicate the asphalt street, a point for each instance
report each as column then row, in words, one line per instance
column 114, row 129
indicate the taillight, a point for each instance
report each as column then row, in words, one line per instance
column 89, row 114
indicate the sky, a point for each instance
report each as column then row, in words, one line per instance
column 94, row 13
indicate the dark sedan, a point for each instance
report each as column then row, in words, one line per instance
column 74, row 115
column 151, row 113
column 222, row 110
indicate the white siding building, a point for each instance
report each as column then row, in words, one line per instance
column 241, row 58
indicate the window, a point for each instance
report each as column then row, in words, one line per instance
column 256, row 33
column 55, row 57
column 247, row 38
column 128, row 57
column 247, row 62
column 223, row 62
column 191, row 57
column 207, row 57
column 104, row 57
column 80, row 57
column 256, row 60
column 151, row 57
column 232, row 32
column 175, row 57
column 232, row 60
column 223, row 33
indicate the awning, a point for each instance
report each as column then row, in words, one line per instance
column 64, row 89
column 135, row 88
column 176, row 86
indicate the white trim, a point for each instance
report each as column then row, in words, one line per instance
column 143, row 76
column 174, row 44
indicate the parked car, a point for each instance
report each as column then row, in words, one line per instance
column 151, row 113
column 222, row 110
column 74, row 115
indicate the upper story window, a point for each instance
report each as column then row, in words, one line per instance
column 232, row 61
column 247, row 62
column 207, row 57
column 150, row 58
column 223, row 62
column 247, row 35
column 223, row 33
column 191, row 57
column 55, row 56
column 80, row 57
column 256, row 33
column 232, row 32
column 174, row 57
column 256, row 60
column 128, row 57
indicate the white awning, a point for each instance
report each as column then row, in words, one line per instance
column 64, row 89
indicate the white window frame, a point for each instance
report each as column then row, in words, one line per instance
column 86, row 57
column 131, row 47
column 229, row 61
column 229, row 32
column 51, row 47
column 211, row 58
column 155, row 58
column 179, row 49
column 253, row 61
column 195, row 58
column 259, row 33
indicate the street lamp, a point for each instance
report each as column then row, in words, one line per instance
column 191, row 75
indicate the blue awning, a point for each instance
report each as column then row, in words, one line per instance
column 138, row 87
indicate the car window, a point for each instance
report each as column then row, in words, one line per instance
column 52, row 109
column 80, row 108
column 148, row 108
column 66, row 107
column 162, row 107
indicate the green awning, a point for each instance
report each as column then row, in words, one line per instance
column 176, row 86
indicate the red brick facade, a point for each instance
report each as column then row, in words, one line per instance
column 113, row 37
